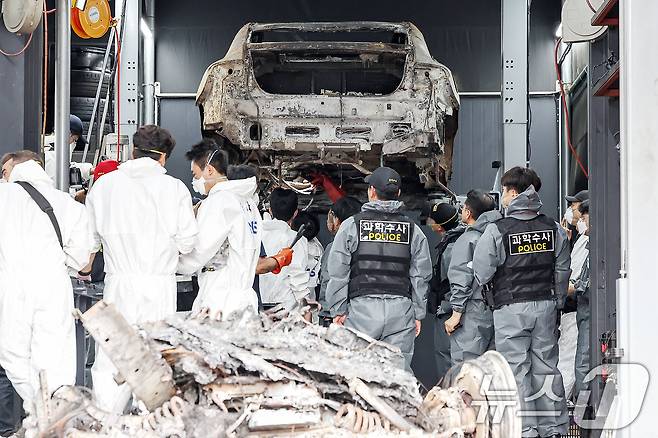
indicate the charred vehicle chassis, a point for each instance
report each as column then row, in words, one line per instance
column 337, row 98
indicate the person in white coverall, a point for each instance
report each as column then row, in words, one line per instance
column 76, row 140
column 143, row 218
column 291, row 285
column 315, row 248
column 37, row 329
column 228, row 247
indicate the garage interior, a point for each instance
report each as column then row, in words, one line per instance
column 581, row 113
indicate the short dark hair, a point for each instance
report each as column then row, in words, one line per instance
column 241, row 171
column 283, row 203
column 310, row 220
column 346, row 207
column 479, row 202
column 21, row 157
column 583, row 208
column 149, row 140
column 386, row 196
column 207, row 152
column 520, row 178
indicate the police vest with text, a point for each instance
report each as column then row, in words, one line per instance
column 380, row 264
column 528, row 273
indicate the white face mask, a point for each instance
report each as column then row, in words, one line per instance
column 199, row 185
column 581, row 226
column 568, row 215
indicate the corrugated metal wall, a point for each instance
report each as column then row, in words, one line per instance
column 20, row 92
column 464, row 35
column 479, row 142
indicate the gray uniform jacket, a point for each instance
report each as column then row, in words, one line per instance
column 463, row 286
column 490, row 252
column 347, row 241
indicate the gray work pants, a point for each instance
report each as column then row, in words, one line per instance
column 385, row 318
column 475, row 336
column 441, row 346
column 582, row 366
column 527, row 336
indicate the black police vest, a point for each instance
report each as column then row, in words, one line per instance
column 528, row 273
column 439, row 286
column 380, row 264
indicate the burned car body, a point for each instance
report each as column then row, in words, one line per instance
column 342, row 98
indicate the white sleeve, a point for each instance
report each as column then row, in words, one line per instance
column 215, row 222
column 187, row 229
column 315, row 251
column 49, row 165
column 93, row 230
column 77, row 241
column 298, row 276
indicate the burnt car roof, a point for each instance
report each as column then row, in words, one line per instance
column 327, row 26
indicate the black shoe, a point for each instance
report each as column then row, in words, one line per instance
column 557, row 435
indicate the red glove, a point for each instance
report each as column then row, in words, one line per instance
column 333, row 191
column 283, row 259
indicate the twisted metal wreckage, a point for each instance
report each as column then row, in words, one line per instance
column 267, row 375
column 295, row 99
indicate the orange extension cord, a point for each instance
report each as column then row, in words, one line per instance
column 566, row 112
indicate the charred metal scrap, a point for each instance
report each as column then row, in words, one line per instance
column 254, row 375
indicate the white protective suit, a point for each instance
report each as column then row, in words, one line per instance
column 579, row 254
column 291, row 284
column 144, row 220
column 568, row 324
column 50, row 161
column 315, row 251
column 228, row 248
column 36, row 298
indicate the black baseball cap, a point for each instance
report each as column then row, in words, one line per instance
column 385, row 180
column 581, row 196
column 443, row 213
column 75, row 126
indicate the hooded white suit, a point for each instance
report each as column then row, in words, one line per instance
column 37, row 330
column 315, row 251
column 144, row 220
column 228, row 248
column 290, row 286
